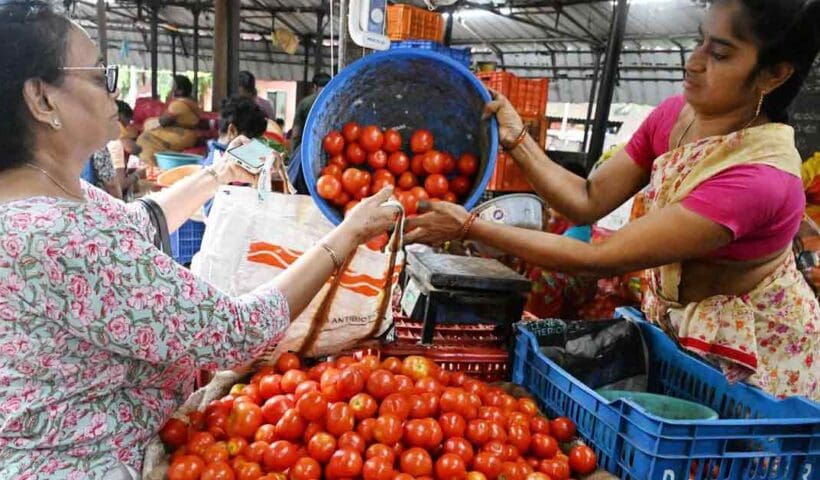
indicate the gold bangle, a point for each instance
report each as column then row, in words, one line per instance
column 337, row 263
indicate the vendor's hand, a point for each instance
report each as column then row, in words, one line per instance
column 509, row 122
column 370, row 218
column 443, row 221
column 228, row 170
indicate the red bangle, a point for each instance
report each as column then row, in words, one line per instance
column 467, row 226
column 518, row 140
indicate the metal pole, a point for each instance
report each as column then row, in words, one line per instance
column 448, row 29
column 154, row 47
column 306, row 46
column 233, row 45
column 604, row 101
column 174, row 54
column 344, row 8
column 592, row 92
column 195, row 12
column 317, row 62
column 102, row 30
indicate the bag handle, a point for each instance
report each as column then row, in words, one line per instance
column 162, row 239
column 273, row 164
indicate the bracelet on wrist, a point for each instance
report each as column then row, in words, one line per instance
column 518, row 140
column 465, row 230
column 337, row 262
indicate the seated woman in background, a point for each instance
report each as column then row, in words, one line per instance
column 177, row 128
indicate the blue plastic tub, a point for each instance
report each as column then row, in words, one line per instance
column 406, row 89
column 186, row 241
column 758, row 436
column 460, row 55
column 169, row 160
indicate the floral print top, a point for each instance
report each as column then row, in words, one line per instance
column 101, row 335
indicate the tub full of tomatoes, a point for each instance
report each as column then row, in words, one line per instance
column 407, row 118
column 370, row 419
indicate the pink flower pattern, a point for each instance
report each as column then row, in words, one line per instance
column 101, row 335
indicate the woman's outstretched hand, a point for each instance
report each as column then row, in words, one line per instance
column 442, row 221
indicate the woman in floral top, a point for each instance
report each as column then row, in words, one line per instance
column 101, row 333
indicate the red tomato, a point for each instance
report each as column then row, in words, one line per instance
column 256, row 451
column 519, row 436
column 329, row 186
column 436, row 434
column 395, row 404
column 291, row 426
column 513, row 471
column 381, row 384
column 434, row 162
column 186, row 467
column 344, row 463
column 556, row 469
column 387, row 430
column 355, row 154
column 417, row 165
column 409, row 201
column 372, row 138
column 366, row 429
column 265, row 433
column 421, row 141
column 582, row 460
column 174, row 433
column 423, row 405
column 416, row 462
column 338, row 160
column 305, row 469
column 460, row 447
column 342, row 200
column 312, row 406
column 291, row 379
column 236, row 445
column 488, row 464
column 562, row 429
column 543, row 446
column 306, row 387
column 460, row 186
column 377, row 159
column 398, row 163
column 333, row 143
column 248, row 471
column 383, row 173
column 527, row 406
column 452, row 425
column 381, row 183
column 350, row 382
column 353, row 441
column 404, row 384
column 382, row 451
column 468, row 164
column 451, row 466
column 458, row 379
column 478, row 432
column 540, row 425
column 453, row 400
column 392, row 365
column 280, row 456
column 450, row 197
column 321, row 447
column 497, row 433
column 428, row 385
column 218, row 471
column 450, row 164
column 436, row 185
column 352, row 180
column 339, row 419
column 287, row 361
column 275, row 407
column 269, row 386
column 417, row 367
column 392, row 141
column 416, row 433
column 407, row 181
column 496, row 448
column 377, row 468
column 351, row 131
column 245, row 418
column 363, row 406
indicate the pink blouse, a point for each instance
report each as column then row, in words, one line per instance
column 761, row 205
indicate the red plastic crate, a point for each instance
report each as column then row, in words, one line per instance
column 501, row 82
column 529, row 96
column 405, row 22
column 409, row 332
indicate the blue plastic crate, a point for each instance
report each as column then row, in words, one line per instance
column 757, row 437
column 186, row 241
column 460, row 55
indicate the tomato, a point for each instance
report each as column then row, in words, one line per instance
column 478, row 432
column 217, row 423
column 381, row 384
column 452, row 425
column 511, row 453
column 287, row 361
column 270, row 386
column 428, row 385
column 333, row 143
column 517, row 417
column 355, row 154
column 519, row 436
column 353, row 441
column 350, row 382
column 398, row 163
column 543, row 446
column 312, row 406
column 497, row 433
column 344, row 463
column 381, row 450
column 363, row 406
column 343, row 198
column 416, row 433
column 377, row 159
column 417, row 165
column 513, row 471
column 416, row 462
column 421, row 141
column 538, row 476
column 291, row 426
column 218, row 471
column 403, row 476
column 582, row 459
column 387, row 429
column 275, row 407
column 477, row 476
column 380, row 183
column 436, row 435
column 174, row 433
column 450, row 197
column 562, row 429
column 265, row 433
column 377, row 468
column 460, row 186
column 382, row 173
column 306, row 387
column 339, row 419
column 496, row 448
column 556, row 469
column 291, row 379
column 305, row 468
column 255, row 452
column 366, row 429
column 404, row 384
column 527, row 406
column 468, row 164
column 245, row 418
column 328, row 187
column 236, row 445
column 423, row 405
column 280, row 456
column 395, row 404
column 417, row 367
column 248, row 471
column 351, row 131
column 436, row 185
column 455, row 400
column 392, row 365
column 460, row 447
column 392, row 141
column 407, row 181
column 451, row 466
column 540, row 425
column 352, row 180
column 488, row 464
column 186, row 467
column 372, row 138
column 458, row 379
column 339, row 161
column 321, row 446
column 433, row 162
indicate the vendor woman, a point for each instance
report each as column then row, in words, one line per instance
column 724, row 201
column 100, row 333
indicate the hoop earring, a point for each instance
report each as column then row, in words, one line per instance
column 760, row 104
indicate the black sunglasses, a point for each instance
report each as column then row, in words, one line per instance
column 112, row 73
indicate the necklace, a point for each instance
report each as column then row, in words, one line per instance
column 54, row 180
column 692, row 122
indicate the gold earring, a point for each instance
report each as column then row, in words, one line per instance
column 760, row 104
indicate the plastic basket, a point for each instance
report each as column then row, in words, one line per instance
column 759, row 437
column 405, row 22
column 501, row 82
column 460, row 55
column 529, row 96
column 186, row 241
column 169, row 160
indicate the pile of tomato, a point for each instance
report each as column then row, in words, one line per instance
column 363, row 160
column 371, row 420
